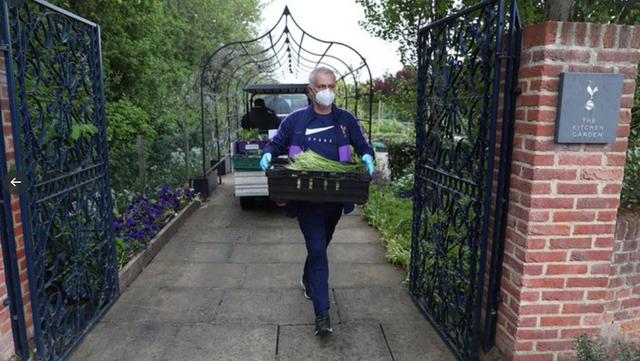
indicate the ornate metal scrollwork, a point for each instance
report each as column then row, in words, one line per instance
column 59, row 109
column 458, row 93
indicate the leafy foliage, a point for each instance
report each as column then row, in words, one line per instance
column 392, row 216
column 250, row 134
column 153, row 51
column 595, row 349
column 401, row 158
column 397, row 20
column 630, row 196
column 400, row 20
column 399, row 93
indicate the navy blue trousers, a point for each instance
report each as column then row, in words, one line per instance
column 318, row 222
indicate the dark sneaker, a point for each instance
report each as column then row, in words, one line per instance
column 305, row 288
column 323, row 326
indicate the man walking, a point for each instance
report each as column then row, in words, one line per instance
column 331, row 132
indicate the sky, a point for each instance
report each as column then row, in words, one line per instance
column 335, row 20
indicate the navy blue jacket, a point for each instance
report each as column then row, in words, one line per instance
column 332, row 138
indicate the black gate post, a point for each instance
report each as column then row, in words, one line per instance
column 9, row 252
column 511, row 91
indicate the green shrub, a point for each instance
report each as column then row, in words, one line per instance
column 393, row 217
column 401, row 158
column 595, row 349
column 630, row 197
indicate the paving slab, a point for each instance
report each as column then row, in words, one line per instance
column 182, row 274
column 188, row 251
column 356, row 253
column 351, row 275
column 416, row 341
column 140, row 341
column 258, row 222
column 356, row 235
column 206, row 342
column 180, row 305
column 209, row 217
column 272, row 306
column 268, row 253
column 377, row 304
column 226, row 287
column 220, row 235
column 275, row 275
column 361, row 341
column 297, row 252
column 351, row 222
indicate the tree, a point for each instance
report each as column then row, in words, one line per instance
column 151, row 48
column 152, row 53
column 400, row 20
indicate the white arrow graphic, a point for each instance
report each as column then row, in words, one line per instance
column 14, row 182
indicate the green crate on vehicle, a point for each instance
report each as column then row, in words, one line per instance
column 246, row 162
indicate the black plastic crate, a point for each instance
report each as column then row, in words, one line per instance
column 294, row 185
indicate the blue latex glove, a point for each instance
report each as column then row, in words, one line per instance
column 367, row 159
column 265, row 161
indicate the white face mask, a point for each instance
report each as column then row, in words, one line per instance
column 325, row 97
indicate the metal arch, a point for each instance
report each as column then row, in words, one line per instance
column 339, row 73
column 229, row 61
column 340, row 79
column 220, row 75
column 364, row 61
column 325, row 55
column 239, row 50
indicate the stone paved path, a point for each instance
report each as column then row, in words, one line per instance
column 225, row 287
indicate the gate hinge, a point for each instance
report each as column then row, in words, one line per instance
column 4, row 47
column 498, row 300
column 6, row 301
column 504, row 55
column 517, row 91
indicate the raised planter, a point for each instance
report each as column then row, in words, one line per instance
column 132, row 269
column 205, row 185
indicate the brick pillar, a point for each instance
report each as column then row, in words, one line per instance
column 623, row 312
column 6, row 338
column 564, row 198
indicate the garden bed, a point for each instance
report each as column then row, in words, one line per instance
column 132, row 269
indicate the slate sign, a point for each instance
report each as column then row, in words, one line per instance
column 589, row 107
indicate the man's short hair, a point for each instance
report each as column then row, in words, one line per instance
column 320, row 70
column 259, row 102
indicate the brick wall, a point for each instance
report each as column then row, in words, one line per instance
column 564, row 198
column 6, row 338
column 623, row 311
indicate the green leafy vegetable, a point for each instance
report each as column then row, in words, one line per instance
column 312, row 161
column 250, row 134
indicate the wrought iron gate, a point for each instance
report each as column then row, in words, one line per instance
column 461, row 61
column 57, row 104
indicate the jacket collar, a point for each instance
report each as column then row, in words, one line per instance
column 309, row 113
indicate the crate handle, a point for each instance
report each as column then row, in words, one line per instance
column 337, row 185
column 310, row 183
column 298, row 185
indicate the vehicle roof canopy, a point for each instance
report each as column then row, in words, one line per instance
column 276, row 88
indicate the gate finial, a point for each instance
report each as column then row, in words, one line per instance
column 286, row 11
